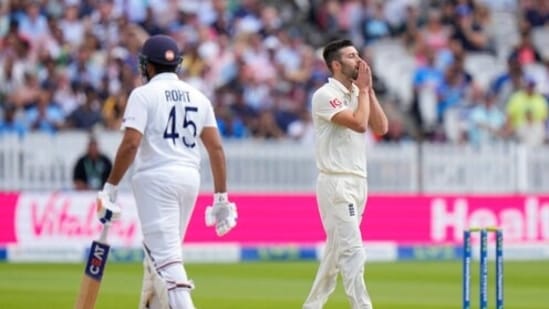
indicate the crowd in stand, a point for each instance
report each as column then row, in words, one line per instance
column 449, row 104
column 70, row 65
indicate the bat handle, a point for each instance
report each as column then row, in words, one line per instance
column 104, row 232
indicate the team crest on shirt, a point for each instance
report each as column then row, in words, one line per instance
column 335, row 103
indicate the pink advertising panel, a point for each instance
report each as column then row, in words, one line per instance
column 68, row 218
column 8, row 202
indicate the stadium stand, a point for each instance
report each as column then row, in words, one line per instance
column 67, row 67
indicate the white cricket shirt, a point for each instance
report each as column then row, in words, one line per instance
column 339, row 150
column 171, row 115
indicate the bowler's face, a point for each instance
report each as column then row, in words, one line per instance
column 349, row 60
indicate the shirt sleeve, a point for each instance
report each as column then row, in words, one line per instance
column 135, row 115
column 326, row 105
column 209, row 118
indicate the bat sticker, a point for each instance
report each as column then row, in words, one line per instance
column 97, row 260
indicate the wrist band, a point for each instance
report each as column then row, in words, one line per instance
column 221, row 197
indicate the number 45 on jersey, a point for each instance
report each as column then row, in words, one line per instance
column 171, row 131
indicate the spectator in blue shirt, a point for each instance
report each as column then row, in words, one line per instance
column 46, row 116
column 10, row 124
column 508, row 82
column 376, row 25
column 426, row 80
column 32, row 24
column 230, row 125
column 87, row 115
column 486, row 121
column 451, row 92
column 428, row 75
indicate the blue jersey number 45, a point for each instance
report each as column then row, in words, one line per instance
column 171, row 130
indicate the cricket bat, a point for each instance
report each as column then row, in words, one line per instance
column 97, row 258
column 93, row 273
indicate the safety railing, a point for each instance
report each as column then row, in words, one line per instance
column 45, row 162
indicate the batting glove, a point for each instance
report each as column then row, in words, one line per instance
column 107, row 210
column 110, row 191
column 222, row 214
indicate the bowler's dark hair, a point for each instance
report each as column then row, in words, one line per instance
column 331, row 51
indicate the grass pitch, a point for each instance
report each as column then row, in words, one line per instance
column 410, row 285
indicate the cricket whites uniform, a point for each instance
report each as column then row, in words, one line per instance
column 341, row 197
column 171, row 115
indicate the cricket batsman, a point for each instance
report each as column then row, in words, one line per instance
column 163, row 123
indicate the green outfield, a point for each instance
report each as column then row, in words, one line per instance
column 410, row 285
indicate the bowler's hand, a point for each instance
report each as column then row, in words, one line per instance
column 364, row 78
column 222, row 214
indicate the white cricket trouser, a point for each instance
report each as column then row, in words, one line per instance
column 165, row 201
column 341, row 200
